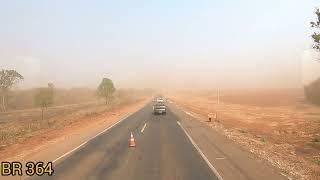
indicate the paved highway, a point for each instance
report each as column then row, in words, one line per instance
column 163, row 151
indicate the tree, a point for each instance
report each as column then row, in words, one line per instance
column 312, row 90
column 106, row 89
column 43, row 98
column 316, row 35
column 8, row 78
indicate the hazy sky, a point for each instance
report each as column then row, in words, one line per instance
column 164, row 43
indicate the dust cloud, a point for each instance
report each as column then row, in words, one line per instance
column 159, row 47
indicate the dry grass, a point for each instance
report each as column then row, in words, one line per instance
column 17, row 125
column 277, row 125
column 24, row 99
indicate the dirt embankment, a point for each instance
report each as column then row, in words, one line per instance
column 275, row 125
column 23, row 133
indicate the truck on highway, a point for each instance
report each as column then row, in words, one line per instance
column 159, row 107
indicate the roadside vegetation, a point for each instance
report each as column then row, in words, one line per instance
column 106, row 89
column 29, row 112
column 44, row 98
column 8, row 78
column 312, row 91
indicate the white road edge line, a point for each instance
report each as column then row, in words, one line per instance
column 201, row 153
column 145, row 124
column 69, row 152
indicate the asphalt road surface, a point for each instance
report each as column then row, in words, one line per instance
column 163, row 151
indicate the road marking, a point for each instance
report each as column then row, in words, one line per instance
column 220, row 158
column 201, row 153
column 69, row 152
column 145, row 124
column 190, row 114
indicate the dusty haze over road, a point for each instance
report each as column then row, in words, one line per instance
column 159, row 44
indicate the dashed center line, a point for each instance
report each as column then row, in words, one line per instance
column 145, row 124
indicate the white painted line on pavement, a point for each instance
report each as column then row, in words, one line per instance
column 190, row 114
column 220, row 158
column 145, row 124
column 69, row 152
column 201, row 153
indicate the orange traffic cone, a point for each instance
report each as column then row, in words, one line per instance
column 132, row 141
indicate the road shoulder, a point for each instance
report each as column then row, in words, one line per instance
column 53, row 144
column 229, row 159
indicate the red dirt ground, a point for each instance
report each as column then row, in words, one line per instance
column 83, row 126
column 277, row 125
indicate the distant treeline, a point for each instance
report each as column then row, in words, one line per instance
column 23, row 99
column 45, row 97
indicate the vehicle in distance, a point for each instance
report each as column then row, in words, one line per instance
column 159, row 107
column 159, row 99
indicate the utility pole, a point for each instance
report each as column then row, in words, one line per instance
column 218, row 96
